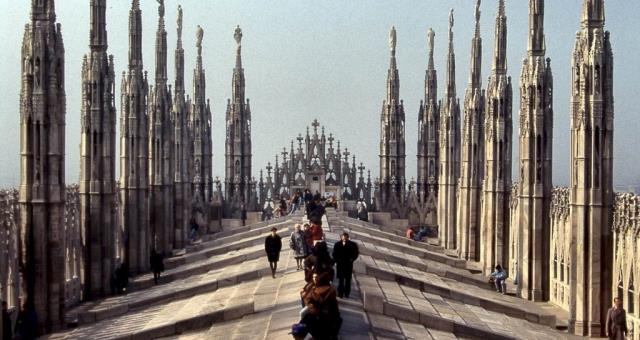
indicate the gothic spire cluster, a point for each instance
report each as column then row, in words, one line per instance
column 392, row 142
column 42, row 159
column 239, row 184
column 97, row 157
column 134, row 146
column 472, row 153
column 449, row 150
column 536, row 140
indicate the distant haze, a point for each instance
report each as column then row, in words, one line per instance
column 328, row 60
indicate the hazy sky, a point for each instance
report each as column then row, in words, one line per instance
column 328, row 60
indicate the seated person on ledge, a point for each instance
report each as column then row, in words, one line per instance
column 410, row 234
column 498, row 277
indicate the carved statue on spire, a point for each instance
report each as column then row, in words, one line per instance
column 238, row 35
column 199, row 36
column 430, row 36
column 451, row 20
column 478, row 11
column 161, row 8
column 392, row 39
column 179, row 21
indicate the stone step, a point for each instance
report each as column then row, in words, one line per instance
column 238, row 230
column 405, row 246
column 466, row 320
column 424, row 265
column 380, row 231
column 92, row 312
column 224, row 245
column 213, row 262
column 430, row 283
column 380, row 299
column 238, row 234
column 171, row 318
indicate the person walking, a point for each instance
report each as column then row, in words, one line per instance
column 156, row 261
column 324, row 296
column 295, row 203
column 616, row 324
column 319, row 262
column 317, row 234
column 308, row 237
column 308, row 196
column 345, row 253
column 298, row 244
column 272, row 246
column 283, row 207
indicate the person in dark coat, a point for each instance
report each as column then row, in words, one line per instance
column 7, row 327
column 283, row 207
column 272, row 246
column 311, row 208
column 308, row 238
column 308, row 196
column 616, row 324
column 315, row 215
column 318, row 263
column 345, row 253
column 156, row 261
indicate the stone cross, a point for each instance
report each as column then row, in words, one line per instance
column 284, row 155
column 300, row 139
column 269, row 168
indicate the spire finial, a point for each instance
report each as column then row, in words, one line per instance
column 430, row 42
column 500, row 52
column 450, row 92
column 478, row 17
column 536, row 28
column 430, row 39
column 451, row 21
column 593, row 13
column 179, row 23
column 199, row 36
column 160, row 8
column 392, row 39
column 238, row 35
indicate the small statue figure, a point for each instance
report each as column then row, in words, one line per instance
column 161, row 8
column 392, row 39
column 199, row 36
column 238, row 35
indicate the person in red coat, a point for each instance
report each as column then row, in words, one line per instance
column 317, row 234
